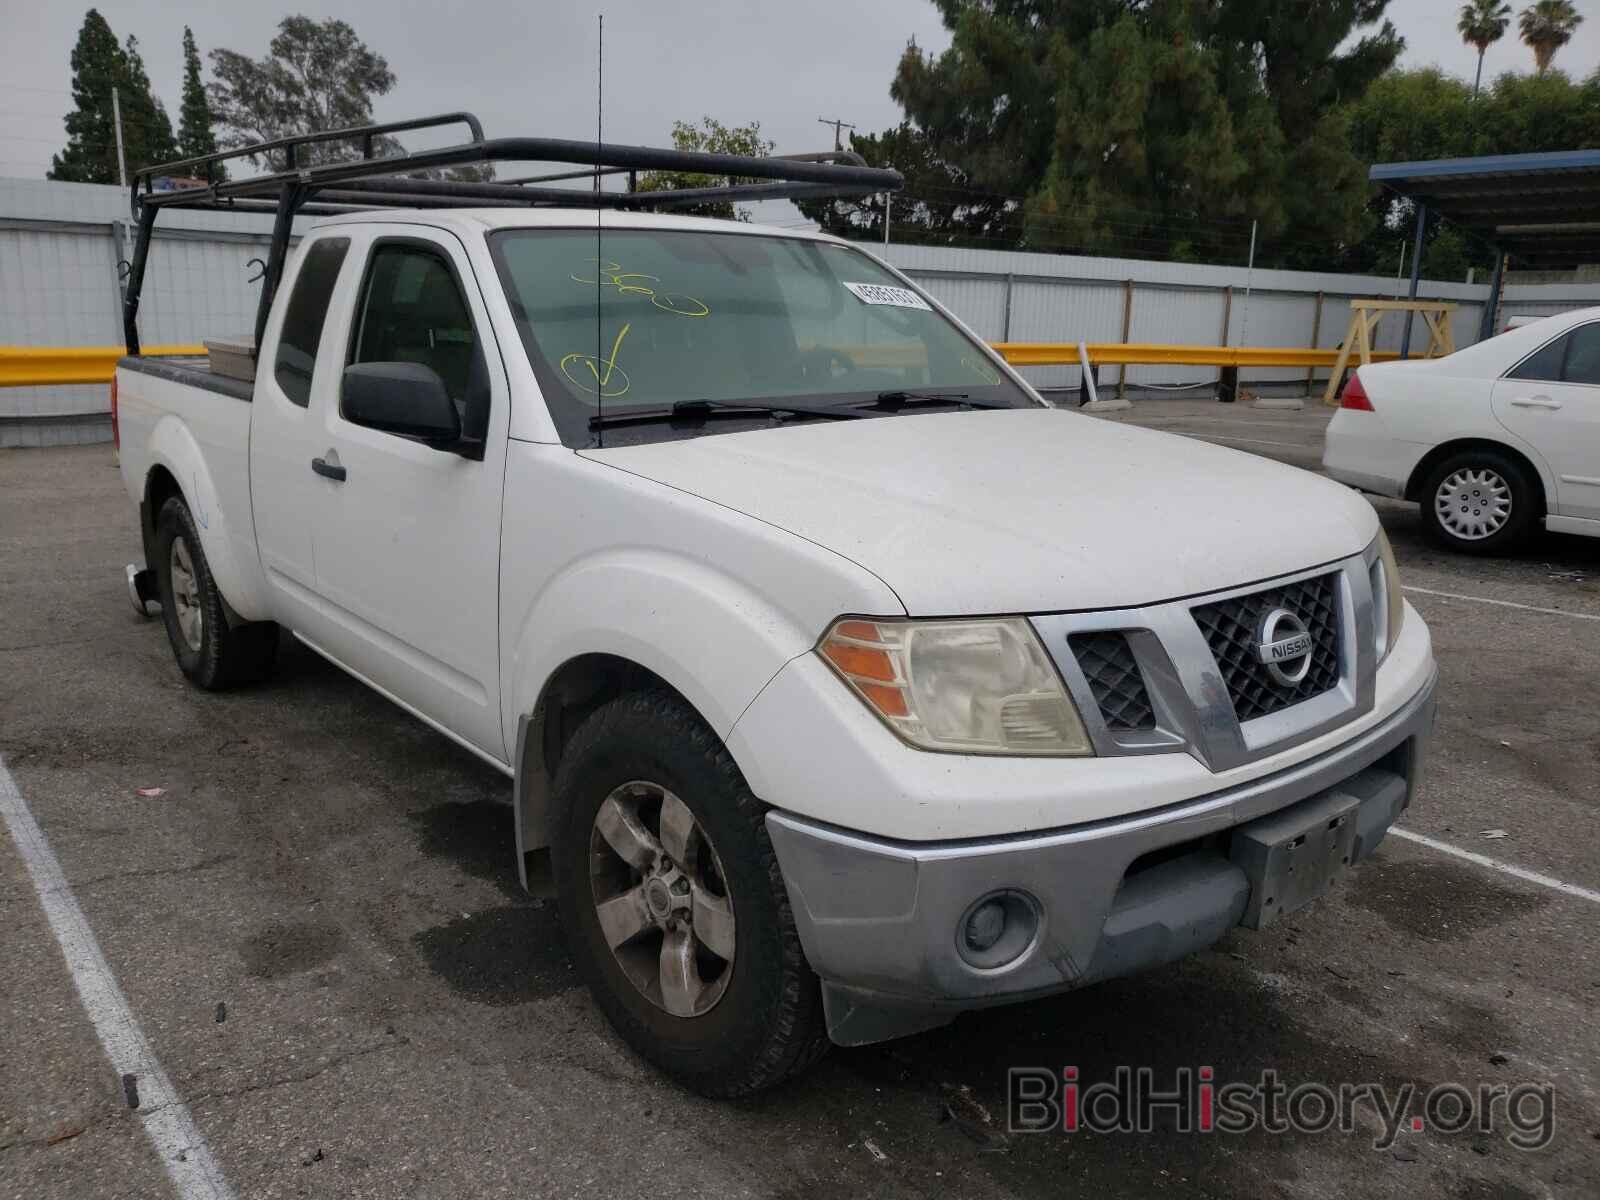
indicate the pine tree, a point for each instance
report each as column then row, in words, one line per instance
column 91, row 152
column 194, row 115
column 99, row 64
column 146, row 128
column 1154, row 128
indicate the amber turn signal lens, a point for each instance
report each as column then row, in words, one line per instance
column 863, row 662
column 856, row 650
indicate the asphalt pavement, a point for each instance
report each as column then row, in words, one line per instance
column 316, row 924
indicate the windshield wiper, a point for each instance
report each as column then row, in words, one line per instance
column 681, row 410
column 895, row 400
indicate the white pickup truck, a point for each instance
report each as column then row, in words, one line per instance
column 847, row 684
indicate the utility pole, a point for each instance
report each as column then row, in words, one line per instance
column 838, row 125
column 1249, row 278
column 116, row 117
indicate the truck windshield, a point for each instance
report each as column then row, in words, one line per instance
column 664, row 317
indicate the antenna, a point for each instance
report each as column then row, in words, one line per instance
column 599, row 261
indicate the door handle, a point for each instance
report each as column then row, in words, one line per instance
column 1535, row 402
column 328, row 470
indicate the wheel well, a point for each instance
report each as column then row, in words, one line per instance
column 578, row 687
column 158, row 486
column 1438, row 454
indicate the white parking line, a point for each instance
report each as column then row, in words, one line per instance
column 1494, row 864
column 1223, row 437
column 167, row 1123
column 1232, row 422
column 1554, row 612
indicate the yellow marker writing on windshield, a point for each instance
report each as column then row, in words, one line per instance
column 611, row 381
column 673, row 302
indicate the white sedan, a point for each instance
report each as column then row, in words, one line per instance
column 1491, row 441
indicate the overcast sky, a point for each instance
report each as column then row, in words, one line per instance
column 530, row 68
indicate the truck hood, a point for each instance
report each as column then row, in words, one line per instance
column 1024, row 511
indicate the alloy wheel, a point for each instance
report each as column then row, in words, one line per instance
column 186, row 595
column 661, row 898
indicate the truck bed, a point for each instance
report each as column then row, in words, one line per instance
column 179, row 413
column 196, row 372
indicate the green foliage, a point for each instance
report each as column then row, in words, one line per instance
column 1481, row 24
column 1155, row 128
column 711, row 137
column 317, row 76
column 938, row 206
column 195, row 137
column 1546, row 26
column 1412, row 115
column 1525, row 113
column 99, row 64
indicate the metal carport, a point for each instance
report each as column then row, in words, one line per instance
column 1541, row 209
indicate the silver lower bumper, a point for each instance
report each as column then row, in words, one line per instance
column 879, row 920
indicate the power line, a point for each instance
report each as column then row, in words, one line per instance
column 1242, row 222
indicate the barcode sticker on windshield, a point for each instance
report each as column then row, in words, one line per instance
column 879, row 293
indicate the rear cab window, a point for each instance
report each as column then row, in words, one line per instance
column 296, row 356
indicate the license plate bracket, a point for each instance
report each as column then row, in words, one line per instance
column 1295, row 855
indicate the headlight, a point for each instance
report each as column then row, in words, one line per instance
column 974, row 687
column 1388, row 605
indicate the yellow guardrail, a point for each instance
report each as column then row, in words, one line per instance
column 1134, row 354
column 25, row 366
column 22, row 366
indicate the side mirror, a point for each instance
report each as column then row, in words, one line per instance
column 400, row 397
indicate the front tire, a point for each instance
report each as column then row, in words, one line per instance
column 672, row 902
column 209, row 651
column 1480, row 502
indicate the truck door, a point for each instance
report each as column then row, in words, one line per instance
column 406, row 536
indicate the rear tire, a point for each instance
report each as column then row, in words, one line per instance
column 209, row 651
column 1480, row 502
column 757, row 1008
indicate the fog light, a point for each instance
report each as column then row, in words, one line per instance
column 985, row 925
column 997, row 929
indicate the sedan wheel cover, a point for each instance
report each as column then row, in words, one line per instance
column 186, row 606
column 1473, row 503
column 661, row 898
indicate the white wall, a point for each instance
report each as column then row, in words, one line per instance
column 1066, row 298
column 59, row 248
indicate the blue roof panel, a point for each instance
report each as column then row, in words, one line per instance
column 1490, row 164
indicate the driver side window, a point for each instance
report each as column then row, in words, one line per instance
column 412, row 310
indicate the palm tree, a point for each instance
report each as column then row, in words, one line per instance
column 1547, row 26
column 1482, row 24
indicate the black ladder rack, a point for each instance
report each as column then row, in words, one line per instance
column 381, row 181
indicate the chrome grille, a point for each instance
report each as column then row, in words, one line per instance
column 1230, row 628
column 1113, row 674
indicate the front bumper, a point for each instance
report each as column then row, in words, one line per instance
column 879, row 919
